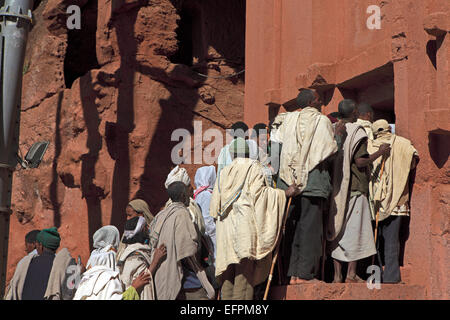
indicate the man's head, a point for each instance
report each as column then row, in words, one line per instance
column 239, row 129
column 239, row 149
column 365, row 111
column 260, row 132
column 48, row 240
column 30, row 240
column 309, row 98
column 347, row 110
column 178, row 192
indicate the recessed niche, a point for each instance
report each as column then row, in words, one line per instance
column 376, row 88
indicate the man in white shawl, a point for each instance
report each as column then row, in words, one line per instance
column 180, row 275
column 391, row 192
column 307, row 143
column 349, row 226
column 180, row 174
column 101, row 281
column 248, row 215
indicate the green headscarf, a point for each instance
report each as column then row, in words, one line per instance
column 239, row 147
column 49, row 238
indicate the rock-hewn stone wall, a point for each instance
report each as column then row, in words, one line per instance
column 403, row 68
column 108, row 97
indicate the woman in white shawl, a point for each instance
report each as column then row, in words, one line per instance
column 101, row 280
column 180, row 174
column 205, row 177
column 138, row 258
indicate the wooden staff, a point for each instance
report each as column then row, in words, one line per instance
column 378, row 211
column 275, row 257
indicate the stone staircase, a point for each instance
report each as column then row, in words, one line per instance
column 347, row 291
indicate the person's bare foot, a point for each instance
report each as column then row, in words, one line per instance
column 314, row 280
column 354, row 279
column 337, row 280
column 293, row 280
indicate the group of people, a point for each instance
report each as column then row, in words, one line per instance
column 316, row 184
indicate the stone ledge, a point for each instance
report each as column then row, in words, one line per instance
column 347, row 291
column 437, row 120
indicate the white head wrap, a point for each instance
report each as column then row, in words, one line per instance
column 102, row 257
column 177, row 174
column 106, row 236
column 205, row 176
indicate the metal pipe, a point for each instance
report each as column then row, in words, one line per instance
column 15, row 22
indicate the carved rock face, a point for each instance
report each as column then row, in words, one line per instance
column 108, row 98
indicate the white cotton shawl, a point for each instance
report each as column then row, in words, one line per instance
column 205, row 178
column 367, row 125
column 341, row 180
column 308, row 139
column 135, row 259
column 106, row 236
column 100, row 283
column 388, row 190
column 249, row 216
column 103, row 257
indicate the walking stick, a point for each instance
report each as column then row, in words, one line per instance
column 378, row 211
column 275, row 257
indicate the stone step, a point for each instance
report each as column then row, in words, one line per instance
column 347, row 291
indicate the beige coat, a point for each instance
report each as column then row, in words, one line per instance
column 388, row 191
column 308, row 139
column 56, row 280
column 249, row 217
column 134, row 260
column 173, row 227
column 341, row 180
column 195, row 213
column 367, row 125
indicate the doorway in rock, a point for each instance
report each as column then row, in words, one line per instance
column 376, row 88
column 190, row 42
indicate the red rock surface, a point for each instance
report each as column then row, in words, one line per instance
column 403, row 69
column 343, row 291
column 108, row 97
column 110, row 129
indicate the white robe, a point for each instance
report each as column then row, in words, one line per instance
column 249, row 217
column 100, row 283
column 308, row 139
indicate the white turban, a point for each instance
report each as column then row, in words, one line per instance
column 177, row 174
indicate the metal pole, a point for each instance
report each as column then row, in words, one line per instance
column 15, row 22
